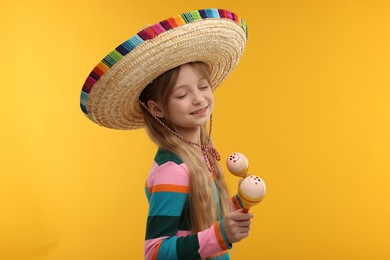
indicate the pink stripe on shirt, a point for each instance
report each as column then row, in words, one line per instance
column 208, row 243
column 151, row 245
column 169, row 173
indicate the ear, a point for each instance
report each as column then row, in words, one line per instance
column 156, row 108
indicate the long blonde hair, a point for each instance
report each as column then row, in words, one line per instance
column 204, row 211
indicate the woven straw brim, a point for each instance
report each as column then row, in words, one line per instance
column 113, row 100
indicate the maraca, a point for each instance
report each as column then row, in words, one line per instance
column 251, row 191
column 237, row 164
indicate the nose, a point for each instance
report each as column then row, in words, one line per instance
column 198, row 98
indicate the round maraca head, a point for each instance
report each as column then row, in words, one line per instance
column 251, row 191
column 237, row 164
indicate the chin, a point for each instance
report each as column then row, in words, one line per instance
column 204, row 121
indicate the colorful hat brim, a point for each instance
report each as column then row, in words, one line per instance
column 213, row 36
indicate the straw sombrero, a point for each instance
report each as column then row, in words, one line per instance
column 214, row 36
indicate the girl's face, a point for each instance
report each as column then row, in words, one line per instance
column 191, row 102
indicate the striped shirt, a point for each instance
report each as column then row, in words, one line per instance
column 168, row 231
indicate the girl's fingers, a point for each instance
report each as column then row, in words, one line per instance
column 240, row 216
column 243, row 223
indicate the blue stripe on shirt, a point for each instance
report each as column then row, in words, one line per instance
column 167, row 203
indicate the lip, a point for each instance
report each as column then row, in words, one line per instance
column 199, row 111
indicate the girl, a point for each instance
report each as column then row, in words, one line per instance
column 186, row 191
column 163, row 78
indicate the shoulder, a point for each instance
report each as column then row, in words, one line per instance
column 168, row 168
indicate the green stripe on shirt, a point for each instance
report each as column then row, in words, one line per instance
column 187, row 248
column 164, row 156
column 160, row 226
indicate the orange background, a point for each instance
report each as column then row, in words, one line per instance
column 308, row 105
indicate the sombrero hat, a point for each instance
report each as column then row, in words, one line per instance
column 214, row 36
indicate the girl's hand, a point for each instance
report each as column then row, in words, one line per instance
column 237, row 225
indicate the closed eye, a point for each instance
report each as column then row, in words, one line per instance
column 181, row 96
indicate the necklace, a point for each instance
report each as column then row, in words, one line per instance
column 206, row 149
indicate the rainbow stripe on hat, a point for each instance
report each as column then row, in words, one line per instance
column 147, row 34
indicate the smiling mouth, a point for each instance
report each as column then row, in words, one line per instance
column 200, row 111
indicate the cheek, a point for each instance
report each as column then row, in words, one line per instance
column 176, row 107
column 211, row 99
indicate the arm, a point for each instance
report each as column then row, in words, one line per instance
column 167, row 190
